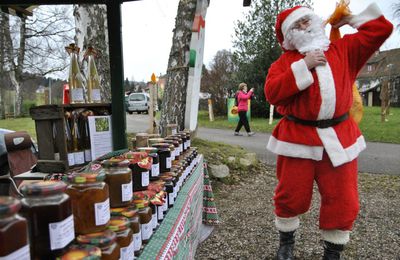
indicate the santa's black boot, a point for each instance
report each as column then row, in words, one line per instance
column 286, row 245
column 332, row 251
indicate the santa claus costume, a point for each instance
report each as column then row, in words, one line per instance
column 316, row 140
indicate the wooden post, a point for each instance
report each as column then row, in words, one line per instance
column 151, row 110
column 271, row 114
column 210, row 110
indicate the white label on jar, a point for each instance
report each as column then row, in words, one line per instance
column 102, row 212
column 127, row 191
column 20, row 254
column 79, row 157
column 184, row 145
column 175, row 191
column 155, row 170
column 147, row 230
column 181, row 147
column 171, row 198
column 137, row 241
column 126, row 253
column 173, row 131
column 160, row 212
column 96, row 95
column 57, row 156
column 61, row 233
column 154, row 220
column 88, row 155
column 165, row 205
column 71, row 160
column 145, row 179
column 77, row 95
column 169, row 162
column 189, row 143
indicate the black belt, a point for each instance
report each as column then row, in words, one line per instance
column 319, row 123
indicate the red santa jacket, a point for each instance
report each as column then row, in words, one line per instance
column 323, row 93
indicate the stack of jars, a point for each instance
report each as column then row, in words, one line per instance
column 140, row 164
column 91, row 207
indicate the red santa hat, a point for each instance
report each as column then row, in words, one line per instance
column 287, row 18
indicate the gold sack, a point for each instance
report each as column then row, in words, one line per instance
column 356, row 110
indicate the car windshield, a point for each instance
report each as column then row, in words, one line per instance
column 136, row 97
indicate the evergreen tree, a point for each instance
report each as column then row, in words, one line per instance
column 257, row 47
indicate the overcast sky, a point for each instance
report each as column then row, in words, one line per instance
column 147, row 30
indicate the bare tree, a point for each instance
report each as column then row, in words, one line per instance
column 35, row 45
column 174, row 99
column 91, row 30
column 219, row 80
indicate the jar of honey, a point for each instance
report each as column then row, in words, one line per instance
column 13, row 231
column 132, row 215
column 145, row 217
column 105, row 240
column 121, row 226
column 90, row 201
column 84, row 252
column 50, row 221
column 119, row 180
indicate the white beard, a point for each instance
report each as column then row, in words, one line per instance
column 313, row 38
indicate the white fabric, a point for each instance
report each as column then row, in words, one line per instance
column 336, row 236
column 302, row 74
column 327, row 90
column 287, row 224
column 315, row 152
column 370, row 13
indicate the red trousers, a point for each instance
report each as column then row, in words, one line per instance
column 337, row 187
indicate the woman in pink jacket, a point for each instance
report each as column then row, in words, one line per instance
column 243, row 96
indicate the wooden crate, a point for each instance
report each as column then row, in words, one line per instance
column 45, row 117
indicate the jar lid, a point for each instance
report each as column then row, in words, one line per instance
column 161, row 145
column 9, row 205
column 141, row 203
column 148, row 150
column 118, row 223
column 43, row 188
column 85, row 177
column 84, row 252
column 101, row 239
column 136, row 156
column 128, row 212
column 115, row 162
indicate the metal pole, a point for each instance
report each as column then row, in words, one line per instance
column 117, row 75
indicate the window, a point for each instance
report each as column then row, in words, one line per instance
column 369, row 68
column 136, row 97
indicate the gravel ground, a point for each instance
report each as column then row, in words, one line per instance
column 247, row 230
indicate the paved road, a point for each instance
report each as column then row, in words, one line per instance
column 377, row 158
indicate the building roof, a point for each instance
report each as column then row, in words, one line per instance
column 381, row 64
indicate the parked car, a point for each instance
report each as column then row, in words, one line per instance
column 138, row 102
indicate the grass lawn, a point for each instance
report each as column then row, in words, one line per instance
column 371, row 126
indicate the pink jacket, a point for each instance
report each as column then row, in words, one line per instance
column 242, row 100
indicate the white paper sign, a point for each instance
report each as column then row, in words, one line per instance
column 61, row 233
column 100, row 131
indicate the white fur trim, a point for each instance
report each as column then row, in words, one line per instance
column 370, row 13
column 295, row 150
column 302, row 74
column 332, row 145
column 355, row 149
column 293, row 17
column 327, row 90
column 336, row 236
column 287, row 224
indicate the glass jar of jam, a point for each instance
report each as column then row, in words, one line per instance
column 184, row 140
column 90, row 201
column 155, row 166
column 164, row 154
column 132, row 215
column 141, row 175
column 50, row 221
column 121, row 226
column 105, row 240
column 13, row 231
column 119, row 180
column 174, row 147
column 179, row 140
column 145, row 216
column 84, row 252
